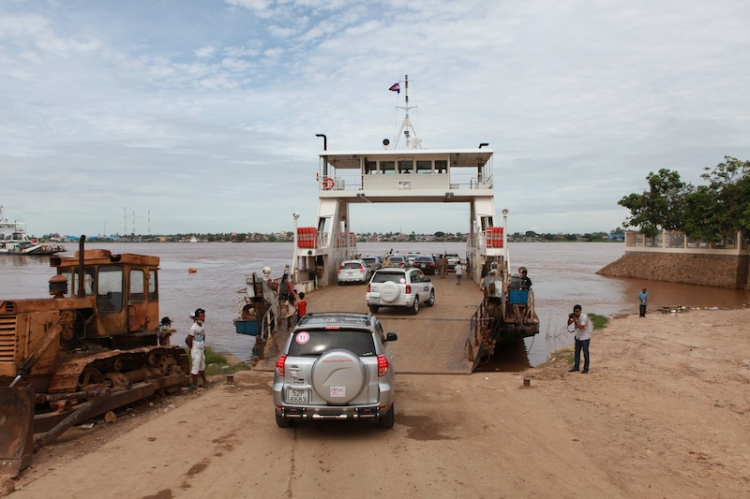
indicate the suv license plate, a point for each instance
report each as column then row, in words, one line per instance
column 297, row 396
column 375, row 300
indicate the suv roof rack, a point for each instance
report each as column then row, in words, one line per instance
column 323, row 318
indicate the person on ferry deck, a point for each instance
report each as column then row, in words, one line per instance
column 525, row 281
column 442, row 265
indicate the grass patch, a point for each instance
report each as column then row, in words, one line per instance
column 599, row 321
column 214, row 357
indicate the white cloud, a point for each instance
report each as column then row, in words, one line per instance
column 205, row 52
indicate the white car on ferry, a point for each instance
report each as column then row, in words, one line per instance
column 356, row 271
column 400, row 287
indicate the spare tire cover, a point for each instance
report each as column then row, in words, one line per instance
column 389, row 292
column 338, row 376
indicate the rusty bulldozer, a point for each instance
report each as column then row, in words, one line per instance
column 76, row 355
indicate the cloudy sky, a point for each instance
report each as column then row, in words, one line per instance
column 204, row 113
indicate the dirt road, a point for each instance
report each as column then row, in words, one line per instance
column 664, row 412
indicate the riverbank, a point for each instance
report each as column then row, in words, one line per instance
column 663, row 412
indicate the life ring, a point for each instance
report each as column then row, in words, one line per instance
column 328, row 183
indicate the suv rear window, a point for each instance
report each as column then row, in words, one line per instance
column 351, row 266
column 358, row 341
column 388, row 277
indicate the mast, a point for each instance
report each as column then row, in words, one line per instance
column 407, row 129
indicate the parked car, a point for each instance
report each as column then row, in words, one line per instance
column 425, row 263
column 354, row 271
column 400, row 287
column 398, row 261
column 452, row 259
column 374, row 262
column 335, row 366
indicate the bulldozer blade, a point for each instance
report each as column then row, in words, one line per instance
column 16, row 429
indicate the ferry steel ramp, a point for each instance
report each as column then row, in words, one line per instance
column 431, row 342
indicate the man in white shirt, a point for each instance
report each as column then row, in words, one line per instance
column 583, row 329
column 196, row 340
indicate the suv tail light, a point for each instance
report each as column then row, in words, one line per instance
column 408, row 289
column 369, row 287
column 281, row 362
column 382, row 365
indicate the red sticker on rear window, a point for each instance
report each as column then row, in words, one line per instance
column 302, row 337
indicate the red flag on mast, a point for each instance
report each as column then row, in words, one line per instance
column 395, row 88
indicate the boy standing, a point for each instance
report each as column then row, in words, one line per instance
column 301, row 307
column 196, row 340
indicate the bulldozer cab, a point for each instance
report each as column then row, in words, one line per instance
column 122, row 290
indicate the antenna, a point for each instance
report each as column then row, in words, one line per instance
column 149, row 222
column 410, row 133
column 124, row 220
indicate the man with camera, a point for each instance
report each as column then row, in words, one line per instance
column 582, row 329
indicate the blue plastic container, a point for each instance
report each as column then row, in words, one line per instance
column 519, row 297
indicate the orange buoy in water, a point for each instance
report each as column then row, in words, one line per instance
column 192, row 271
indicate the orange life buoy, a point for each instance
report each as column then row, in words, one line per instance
column 328, row 183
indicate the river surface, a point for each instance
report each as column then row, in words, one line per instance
column 563, row 274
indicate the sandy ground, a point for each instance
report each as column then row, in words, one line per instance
column 664, row 412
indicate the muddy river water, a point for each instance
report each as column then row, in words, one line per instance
column 563, row 274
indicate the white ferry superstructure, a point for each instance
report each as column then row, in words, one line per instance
column 390, row 175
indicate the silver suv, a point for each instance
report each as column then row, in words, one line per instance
column 335, row 365
column 400, row 287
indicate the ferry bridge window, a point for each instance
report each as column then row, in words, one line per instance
column 109, row 289
column 152, row 287
column 387, row 167
column 441, row 166
column 137, row 283
column 406, row 166
column 371, row 167
column 424, row 166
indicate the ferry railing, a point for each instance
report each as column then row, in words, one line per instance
column 353, row 182
column 479, row 328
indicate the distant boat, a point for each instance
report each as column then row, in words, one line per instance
column 15, row 241
column 193, row 239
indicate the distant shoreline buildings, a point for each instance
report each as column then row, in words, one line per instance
column 288, row 236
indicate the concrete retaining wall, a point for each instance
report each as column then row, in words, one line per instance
column 705, row 270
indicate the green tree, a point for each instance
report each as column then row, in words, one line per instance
column 661, row 207
column 715, row 212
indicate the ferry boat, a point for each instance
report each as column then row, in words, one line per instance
column 15, row 241
column 407, row 175
column 393, row 175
